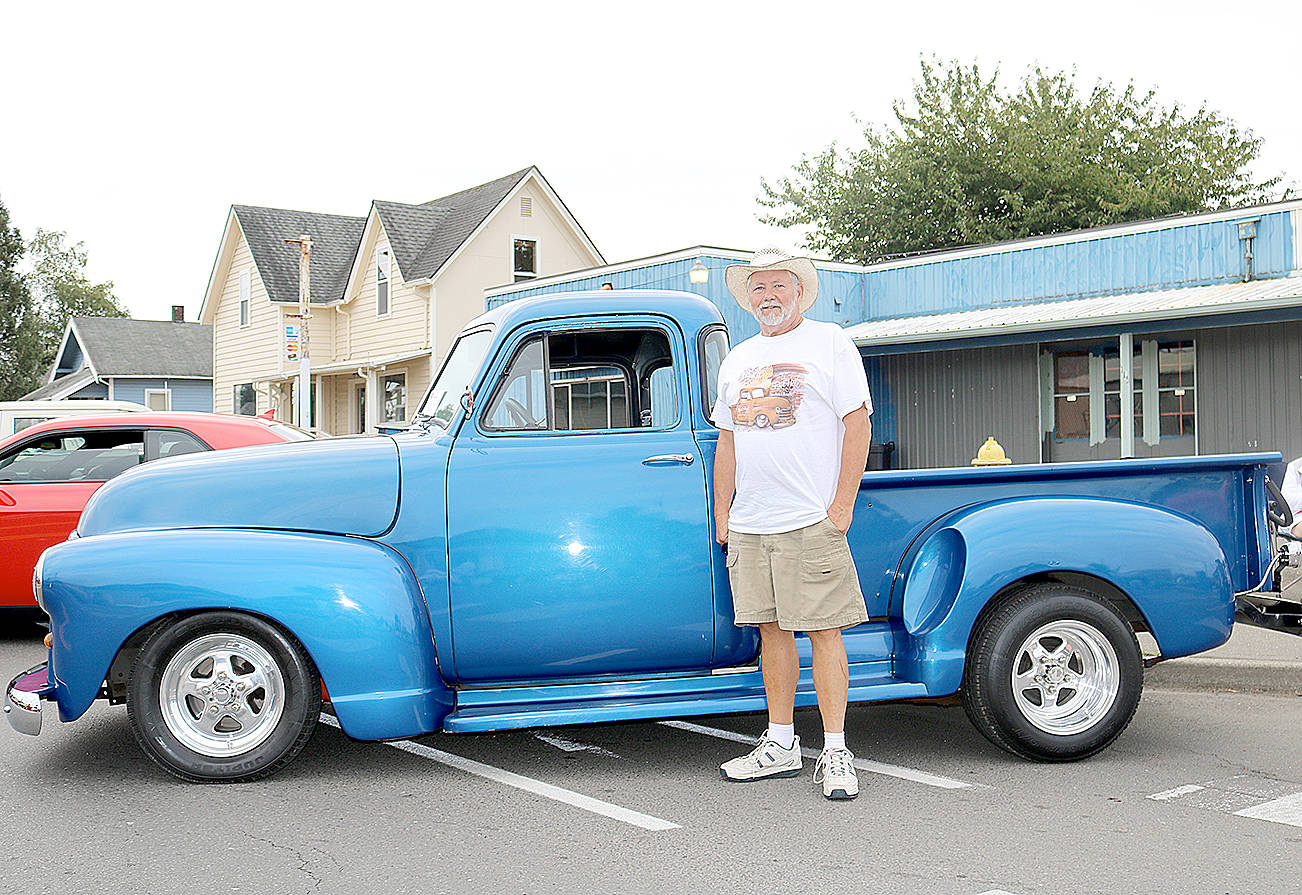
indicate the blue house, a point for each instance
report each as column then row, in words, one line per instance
column 163, row 364
column 1175, row 336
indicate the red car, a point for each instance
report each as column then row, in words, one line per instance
column 48, row 471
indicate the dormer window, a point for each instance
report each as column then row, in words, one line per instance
column 382, row 262
column 244, row 298
column 525, row 259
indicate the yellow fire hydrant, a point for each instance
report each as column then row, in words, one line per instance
column 991, row 454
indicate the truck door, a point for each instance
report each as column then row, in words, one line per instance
column 579, row 541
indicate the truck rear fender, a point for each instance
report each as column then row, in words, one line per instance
column 1170, row 567
column 353, row 604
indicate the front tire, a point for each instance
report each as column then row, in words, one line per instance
column 222, row 697
column 1053, row 674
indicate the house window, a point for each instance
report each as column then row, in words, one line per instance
column 1175, row 389
column 245, row 400
column 525, row 259
column 395, row 398
column 382, row 284
column 244, row 298
column 1071, row 395
column 158, row 398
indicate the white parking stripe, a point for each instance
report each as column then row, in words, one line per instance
column 1287, row 810
column 996, row 892
column 873, row 767
column 1175, row 793
column 528, row 784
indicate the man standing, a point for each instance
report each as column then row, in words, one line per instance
column 793, row 412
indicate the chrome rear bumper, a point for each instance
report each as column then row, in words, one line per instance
column 23, row 699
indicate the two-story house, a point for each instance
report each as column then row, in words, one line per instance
column 388, row 293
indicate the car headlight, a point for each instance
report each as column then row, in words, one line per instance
column 37, row 575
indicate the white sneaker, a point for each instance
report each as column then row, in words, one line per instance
column 835, row 770
column 768, row 759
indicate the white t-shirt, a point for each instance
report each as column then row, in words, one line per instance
column 783, row 397
column 1292, row 488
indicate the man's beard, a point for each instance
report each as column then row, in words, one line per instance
column 776, row 316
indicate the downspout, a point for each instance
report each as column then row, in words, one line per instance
column 1247, row 233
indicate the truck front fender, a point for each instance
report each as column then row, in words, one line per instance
column 1170, row 566
column 353, row 604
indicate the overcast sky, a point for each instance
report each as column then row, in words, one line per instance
column 133, row 127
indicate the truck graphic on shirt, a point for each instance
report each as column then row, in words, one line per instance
column 769, row 396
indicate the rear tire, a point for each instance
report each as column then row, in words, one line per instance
column 1053, row 674
column 222, row 697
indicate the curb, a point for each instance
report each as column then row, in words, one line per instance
column 1238, row 675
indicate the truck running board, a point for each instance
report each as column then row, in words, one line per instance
column 504, row 708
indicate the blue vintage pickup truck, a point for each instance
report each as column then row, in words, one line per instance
column 537, row 550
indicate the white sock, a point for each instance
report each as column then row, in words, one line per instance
column 783, row 734
column 833, row 740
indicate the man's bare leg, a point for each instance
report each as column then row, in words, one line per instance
column 831, row 678
column 781, row 670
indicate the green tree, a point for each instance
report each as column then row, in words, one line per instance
column 21, row 349
column 61, row 288
column 969, row 161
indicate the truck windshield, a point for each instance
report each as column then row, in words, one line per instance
column 463, row 362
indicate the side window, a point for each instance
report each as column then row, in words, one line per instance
column 87, row 457
column 382, row 283
column 714, row 348
column 244, row 400
column 172, row 443
column 588, row 380
column 519, row 402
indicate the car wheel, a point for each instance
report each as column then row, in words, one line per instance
column 222, row 697
column 762, row 420
column 1053, row 674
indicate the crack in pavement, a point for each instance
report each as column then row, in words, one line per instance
column 303, row 864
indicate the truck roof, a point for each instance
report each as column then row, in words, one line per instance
column 690, row 310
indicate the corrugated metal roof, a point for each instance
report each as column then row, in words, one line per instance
column 1130, row 307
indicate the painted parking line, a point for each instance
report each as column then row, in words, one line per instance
column 873, row 767
column 528, row 784
column 1244, row 795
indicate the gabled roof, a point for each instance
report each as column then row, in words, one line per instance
column 335, row 238
column 62, row 387
column 423, row 237
column 120, row 346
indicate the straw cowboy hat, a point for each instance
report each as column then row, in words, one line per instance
column 770, row 258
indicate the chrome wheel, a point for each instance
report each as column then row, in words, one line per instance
column 1065, row 677
column 222, row 695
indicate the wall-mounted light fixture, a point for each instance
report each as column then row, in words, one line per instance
column 699, row 273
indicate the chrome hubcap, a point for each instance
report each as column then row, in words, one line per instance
column 1065, row 677
column 222, row 695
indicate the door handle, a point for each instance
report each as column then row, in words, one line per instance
column 684, row 459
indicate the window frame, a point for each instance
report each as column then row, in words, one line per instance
column 235, row 402
column 384, row 277
column 513, row 351
column 383, row 383
column 246, row 294
column 517, row 275
column 165, row 392
column 707, row 406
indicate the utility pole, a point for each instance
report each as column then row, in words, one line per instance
column 304, row 402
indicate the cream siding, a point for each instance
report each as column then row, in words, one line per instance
column 488, row 259
column 243, row 354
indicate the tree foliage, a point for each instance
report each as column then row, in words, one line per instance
column 969, row 161
column 20, row 330
column 34, row 308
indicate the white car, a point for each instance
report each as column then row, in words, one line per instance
column 18, row 415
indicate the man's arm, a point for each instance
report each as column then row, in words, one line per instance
column 854, row 457
column 725, row 483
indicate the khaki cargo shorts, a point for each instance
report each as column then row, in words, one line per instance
column 804, row 580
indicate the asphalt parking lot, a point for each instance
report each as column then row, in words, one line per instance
column 1203, row 793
